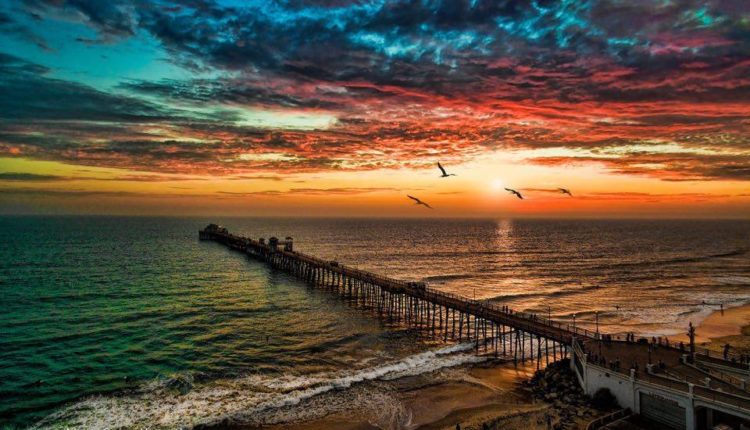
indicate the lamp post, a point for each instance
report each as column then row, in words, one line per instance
column 574, row 323
column 549, row 314
column 597, row 324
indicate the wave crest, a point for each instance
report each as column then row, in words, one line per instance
column 255, row 399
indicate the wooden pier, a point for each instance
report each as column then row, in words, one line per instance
column 494, row 329
column 707, row 386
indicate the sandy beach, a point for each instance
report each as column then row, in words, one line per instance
column 730, row 325
column 487, row 392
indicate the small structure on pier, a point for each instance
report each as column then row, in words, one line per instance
column 289, row 244
column 211, row 229
column 274, row 243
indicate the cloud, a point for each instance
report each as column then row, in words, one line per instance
column 335, row 191
column 27, row 177
column 73, row 193
column 28, row 93
column 667, row 166
column 256, row 178
column 22, row 32
column 403, row 84
column 651, row 197
column 35, row 177
column 542, row 190
column 110, row 18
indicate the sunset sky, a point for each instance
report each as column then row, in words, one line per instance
column 329, row 107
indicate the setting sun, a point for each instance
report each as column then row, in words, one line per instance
column 497, row 185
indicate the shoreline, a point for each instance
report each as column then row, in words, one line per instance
column 731, row 326
column 486, row 392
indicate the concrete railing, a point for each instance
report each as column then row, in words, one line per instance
column 706, row 394
column 609, row 419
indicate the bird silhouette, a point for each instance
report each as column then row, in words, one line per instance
column 512, row 191
column 419, row 202
column 445, row 174
column 565, row 191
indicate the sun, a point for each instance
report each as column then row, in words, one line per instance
column 497, row 185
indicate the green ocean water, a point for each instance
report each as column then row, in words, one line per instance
column 98, row 305
column 132, row 320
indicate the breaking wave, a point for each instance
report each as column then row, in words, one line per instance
column 681, row 260
column 547, row 294
column 257, row 399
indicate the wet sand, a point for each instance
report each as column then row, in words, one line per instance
column 730, row 326
column 487, row 392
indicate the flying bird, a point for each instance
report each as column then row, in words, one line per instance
column 445, row 174
column 565, row 191
column 512, row 191
column 419, row 202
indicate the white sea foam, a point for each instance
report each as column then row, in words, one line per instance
column 676, row 322
column 258, row 399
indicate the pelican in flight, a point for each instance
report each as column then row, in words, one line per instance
column 445, row 174
column 419, row 202
column 565, row 191
column 512, row 191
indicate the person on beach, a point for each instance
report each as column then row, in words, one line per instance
column 726, row 352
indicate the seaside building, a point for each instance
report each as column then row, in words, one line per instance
column 663, row 385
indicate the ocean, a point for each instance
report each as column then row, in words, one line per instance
column 132, row 322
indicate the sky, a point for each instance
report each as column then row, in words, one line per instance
column 641, row 108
